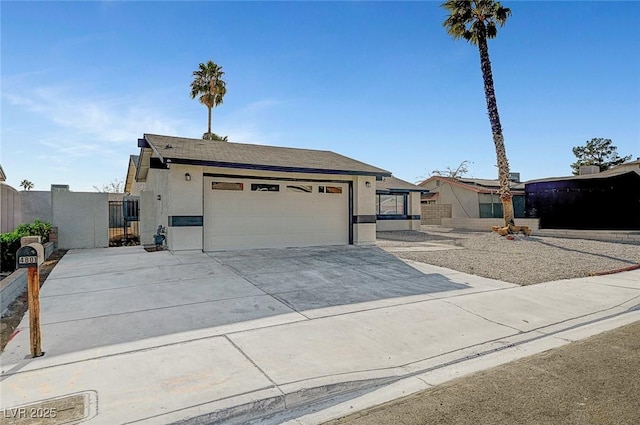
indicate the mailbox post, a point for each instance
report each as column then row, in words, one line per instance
column 30, row 257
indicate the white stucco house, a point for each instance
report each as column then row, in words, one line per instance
column 214, row 195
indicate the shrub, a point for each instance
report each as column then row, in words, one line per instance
column 10, row 242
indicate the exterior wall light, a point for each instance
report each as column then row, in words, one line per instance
column 187, row 177
column 368, row 184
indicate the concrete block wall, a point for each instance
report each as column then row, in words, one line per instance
column 36, row 205
column 53, row 237
column 49, row 249
column 82, row 219
column 484, row 224
column 11, row 287
column 617, row 236
column 434, row 213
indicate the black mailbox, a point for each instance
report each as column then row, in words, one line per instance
column 26, row 257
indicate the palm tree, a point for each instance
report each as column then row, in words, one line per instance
column 209, row 85
column 26, row 184
column 476, row 21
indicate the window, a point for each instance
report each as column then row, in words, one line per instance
column 300, row 188
column 329, row 189
column 226, row 186
column 493, row 210
column 265, row 187
column 391, row 205
column 489, row 205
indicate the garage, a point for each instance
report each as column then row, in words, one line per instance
column 216, row 195
column 248, row 213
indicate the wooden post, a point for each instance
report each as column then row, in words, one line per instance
column 33, row 289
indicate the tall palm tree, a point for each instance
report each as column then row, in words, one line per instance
column 209, row 85
column 476, row 21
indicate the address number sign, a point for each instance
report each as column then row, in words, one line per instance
column 26, row 257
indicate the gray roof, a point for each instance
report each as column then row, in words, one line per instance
column 394, row 184
column 493, row 184
column 624, row 166
column 603, row 175
column 134, row 159
column 240, row 155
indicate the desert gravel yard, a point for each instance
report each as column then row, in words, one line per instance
column 523, row 260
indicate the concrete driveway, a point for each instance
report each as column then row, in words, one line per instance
column 159, row 338
column 109, row 296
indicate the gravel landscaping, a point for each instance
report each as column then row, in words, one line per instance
column 523, row 260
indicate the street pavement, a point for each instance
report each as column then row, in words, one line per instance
column 287, row 335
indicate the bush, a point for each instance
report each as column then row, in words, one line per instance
column 10, row 242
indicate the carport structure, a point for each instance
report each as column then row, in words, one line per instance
column 214, row 195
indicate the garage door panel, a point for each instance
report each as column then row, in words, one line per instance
column 268, row 241
column 257, row 224
column 280, row 222
column 252, row 219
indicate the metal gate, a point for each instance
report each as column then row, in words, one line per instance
column 124, row 219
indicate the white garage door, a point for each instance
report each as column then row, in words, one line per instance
column 247, row 213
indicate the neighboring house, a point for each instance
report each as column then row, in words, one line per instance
column 214, row 195
column 467, row 198
column 397, row 204
column 609, row 200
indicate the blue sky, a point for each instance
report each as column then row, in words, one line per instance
column 380, row 82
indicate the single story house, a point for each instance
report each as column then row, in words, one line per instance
column 468, row 198
column 608, row 200
column 214, row 195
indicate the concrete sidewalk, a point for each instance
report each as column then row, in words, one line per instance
column 158, row 338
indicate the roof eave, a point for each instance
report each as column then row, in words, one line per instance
column 378, row 174
column 128, row 181
column 401, row 190
column 142, row 168
column 144, row 143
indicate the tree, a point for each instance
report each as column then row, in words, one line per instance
column 209, row 85
column 116, row 186
column 476, row 21
column 26, row 184
column 214, row 136
column 453, row 173
column 597, row 151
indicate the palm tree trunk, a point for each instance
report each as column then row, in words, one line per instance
column 209, row 122
column 496, row 130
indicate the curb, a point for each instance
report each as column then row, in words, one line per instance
column 316, row 405
column 287, row 403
